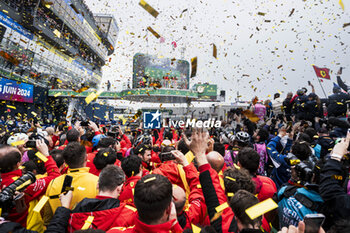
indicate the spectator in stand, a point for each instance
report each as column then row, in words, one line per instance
column 83, row 182
column 156, row 211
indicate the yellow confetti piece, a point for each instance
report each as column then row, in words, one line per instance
column 105, row 154
column 90, row 98
column 149, row 179
column 236, row 166
column 17, row 143
column 41, row 204
column 34, row 114
column 221, row 207
column 149, row 8
column 153, row 32
column 230, row 178
column 41, row 156
column 195, row 229
column 58, row 94
column 341, row 4
column 88, row 222
column 9, row 106
column 194, row 67
column 230, row 194
column 215, row 51
column 261, row 208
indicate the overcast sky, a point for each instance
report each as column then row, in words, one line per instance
column 253, row 37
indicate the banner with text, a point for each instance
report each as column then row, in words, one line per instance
column 11, row 90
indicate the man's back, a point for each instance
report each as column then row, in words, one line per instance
column 107, row 213
column 337, row 105
column 84, row 184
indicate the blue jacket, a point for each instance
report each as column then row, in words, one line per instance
column 281, row 171
column 291, row 211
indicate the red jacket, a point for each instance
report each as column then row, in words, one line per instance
column 196, row 211
column 265, row 187
column 168, row 227
column 125, row 142
column 107, row 212
column 170, row 170
column 147, row 168
column 214, row 197
column 33, row 191
column 127, row 193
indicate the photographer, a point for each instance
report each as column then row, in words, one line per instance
column 10, row 160
column 58, row 224
column 299, row 196
column 334, row 185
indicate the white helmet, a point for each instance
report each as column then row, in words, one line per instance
column 12, row 139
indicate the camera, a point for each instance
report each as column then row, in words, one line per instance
column 38, row 135
column 304, row 169
column 7, row 194
column 84, row 123
column 166, row 156
column 31, row 144
column 113, row 132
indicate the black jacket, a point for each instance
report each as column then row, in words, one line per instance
column 94, row 204
column 337, row 201
column 287, row 106
column 337, row 104
column 58, row 224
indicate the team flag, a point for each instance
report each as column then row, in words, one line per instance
column 322, row 72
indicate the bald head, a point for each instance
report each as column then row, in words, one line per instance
column 179, row 198
column 50, row 131
column 215, row 160
column 10, row 157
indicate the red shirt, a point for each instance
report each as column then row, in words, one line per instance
column 127, row 193
column 170, row 170
column 168, row 227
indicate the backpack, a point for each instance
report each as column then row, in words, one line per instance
column 295, row 202
column 230, row 157
column 261, row 149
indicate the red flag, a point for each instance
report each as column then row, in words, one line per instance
column 322, row 72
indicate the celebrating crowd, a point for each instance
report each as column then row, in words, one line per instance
column 278, row 166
